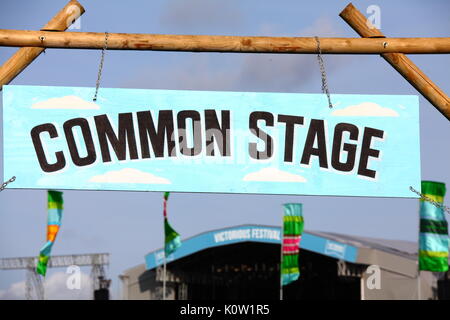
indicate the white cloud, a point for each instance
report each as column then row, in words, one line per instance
column 15, row 292
column 365, row 109
column 273, row 175
column 55, row 288
column 67, row 102
column 129, row 175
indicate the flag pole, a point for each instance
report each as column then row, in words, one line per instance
column 418, row 261
column 418, row 284
column 164, row 277
column 172, row 242
column 164, row 247
column 281, row 260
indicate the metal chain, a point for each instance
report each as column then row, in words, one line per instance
column 425, row 198
column 4, row 184
column 99, row 76
column 322, row 71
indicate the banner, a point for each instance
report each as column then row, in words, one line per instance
column 202, row 141
column 293, row 225
column 54, row 217
column 252, row 233
column 433, row 232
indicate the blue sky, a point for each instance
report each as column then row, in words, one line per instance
column 129, row 224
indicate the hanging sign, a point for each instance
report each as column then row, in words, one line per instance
column 202, row 141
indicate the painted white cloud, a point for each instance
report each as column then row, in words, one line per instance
column 365, row 109
column 67, row 102
column 273, row 175
column 129, row 175
column 51, row 180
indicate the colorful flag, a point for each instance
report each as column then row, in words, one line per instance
column 433, row 239
column 292, row 233
column 172, row 238
column 55, row 209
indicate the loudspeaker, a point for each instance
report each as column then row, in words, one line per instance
column 444, row 289
column 101, row 294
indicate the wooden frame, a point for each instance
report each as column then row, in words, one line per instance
column 26, row 55
column 239, row 44
column 373, row 42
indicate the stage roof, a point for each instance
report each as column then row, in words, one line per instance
column 254, row 233
column 397, row 256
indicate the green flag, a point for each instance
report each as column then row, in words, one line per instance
column 292, row 233
column 172, row 238
column 433, row 237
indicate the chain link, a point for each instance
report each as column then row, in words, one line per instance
column 4, row 184
column 425, row 198
column 322, row 71
column 100, row 68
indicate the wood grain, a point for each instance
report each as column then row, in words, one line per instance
column 26, row 55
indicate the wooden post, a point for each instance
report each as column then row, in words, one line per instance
column 24, row 56
column 400, row 62
column 208, row 43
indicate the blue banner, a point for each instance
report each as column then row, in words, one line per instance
column 203, row 141
column 252, row 233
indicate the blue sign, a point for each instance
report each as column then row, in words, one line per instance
column 202, row 141
column 264, row 234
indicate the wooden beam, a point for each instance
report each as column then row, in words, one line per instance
column 24, row 56
column 400, row 62
column 194, row 43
